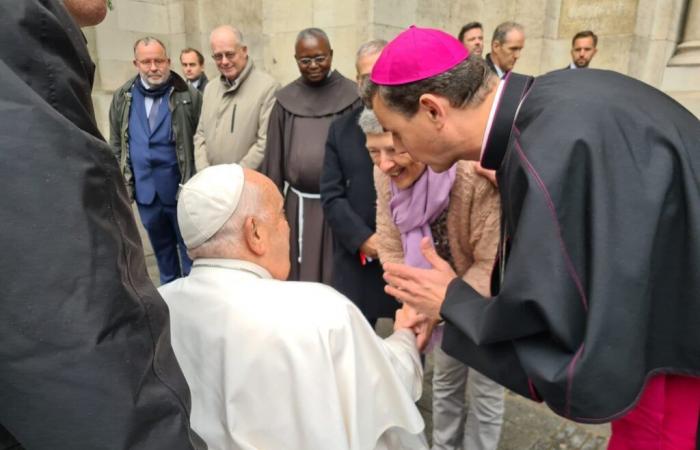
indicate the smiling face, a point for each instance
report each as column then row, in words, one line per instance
column 314, row 57
column 398, row 165
column 416, row 135
column 152, row 62
column 229, row 55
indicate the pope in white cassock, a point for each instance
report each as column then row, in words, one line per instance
column 273, row 364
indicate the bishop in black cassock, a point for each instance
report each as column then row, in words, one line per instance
column 598, row 285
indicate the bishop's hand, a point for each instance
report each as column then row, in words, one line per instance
column 421, row 289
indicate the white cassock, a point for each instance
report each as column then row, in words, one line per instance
column 282, row 365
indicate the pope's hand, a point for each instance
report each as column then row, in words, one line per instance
column 422, row 327
column 406, row 317
column 421, row 289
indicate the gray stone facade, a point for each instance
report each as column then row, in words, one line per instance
column 656, row 41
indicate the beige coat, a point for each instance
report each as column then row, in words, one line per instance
column 473, row 225
column 233, row 124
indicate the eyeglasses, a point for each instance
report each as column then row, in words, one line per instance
column 218, row 57
column 149, row 62
column 320, row 59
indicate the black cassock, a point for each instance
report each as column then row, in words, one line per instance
column 350, row 207
column 85, row 355
column 599, row 177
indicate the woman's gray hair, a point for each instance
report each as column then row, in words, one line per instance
column 369, row 123
column 466, row 84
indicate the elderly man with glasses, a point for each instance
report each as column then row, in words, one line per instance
column 295, row 149
column 236, row 109
column 152, row 123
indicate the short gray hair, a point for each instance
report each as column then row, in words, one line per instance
column 313, row 32
column 369, row 123
column 371, row 47
column 228, row 240
column 235, row 31
column 466, row 84
column 502, row 30
column 149, row 40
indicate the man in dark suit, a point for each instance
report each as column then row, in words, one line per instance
column 192, row 62
column 153, row 119
column 583, row 49
column 349, row 205
column 506, row 44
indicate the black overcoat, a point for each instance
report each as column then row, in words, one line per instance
column 85, row 355
column 600, row 191
column 350, row 207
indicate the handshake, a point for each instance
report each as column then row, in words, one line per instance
column 422, row 326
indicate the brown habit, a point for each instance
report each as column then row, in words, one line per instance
column 296, row 140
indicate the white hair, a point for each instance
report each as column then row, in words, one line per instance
column 235, row 31
column 369, row 123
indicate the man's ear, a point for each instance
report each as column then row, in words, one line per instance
column 434, row 107
column 254, row 236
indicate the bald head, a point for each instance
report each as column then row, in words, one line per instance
column 226, row 32
column 86, row 12
column 229, row 51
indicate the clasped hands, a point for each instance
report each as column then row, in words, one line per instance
column 421, row 291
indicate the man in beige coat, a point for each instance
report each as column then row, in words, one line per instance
column 236, row 107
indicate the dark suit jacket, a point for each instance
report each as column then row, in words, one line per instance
column 489, row 62
column 203, row 83
column 349, row 205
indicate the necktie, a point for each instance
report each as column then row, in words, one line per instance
column 154, row 113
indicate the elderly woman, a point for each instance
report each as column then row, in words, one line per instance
column 459, row 211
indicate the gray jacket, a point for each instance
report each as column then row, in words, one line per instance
column 185, row 104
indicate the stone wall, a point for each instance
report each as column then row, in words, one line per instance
column 637, row 37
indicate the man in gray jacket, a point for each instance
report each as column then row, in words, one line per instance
column 237, row 106
column 153, row 118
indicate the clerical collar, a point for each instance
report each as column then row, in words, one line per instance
column 504, row 110
column 492, row 113
column 233, row 264
column 499, row 72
